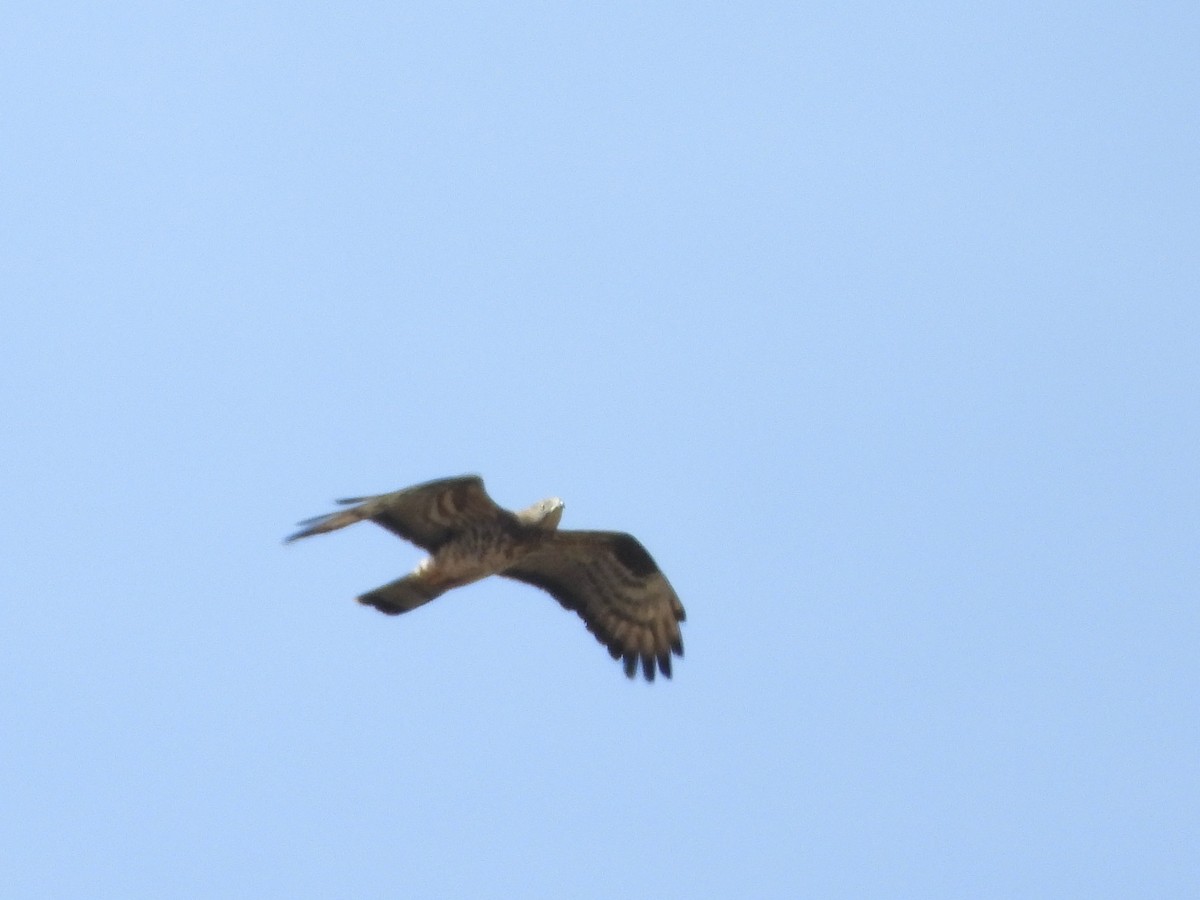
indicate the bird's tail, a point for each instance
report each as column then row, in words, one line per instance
column 401, row 595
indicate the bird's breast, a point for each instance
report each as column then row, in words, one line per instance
column 474, row 555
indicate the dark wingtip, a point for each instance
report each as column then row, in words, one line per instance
column 631, row 662
column 310, row 527
column 664, row 664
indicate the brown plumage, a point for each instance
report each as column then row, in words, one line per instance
column 607, row 577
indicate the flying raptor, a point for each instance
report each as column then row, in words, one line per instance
column 607, row 577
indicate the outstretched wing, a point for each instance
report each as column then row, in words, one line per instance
column 428, row 515
column 617, row 589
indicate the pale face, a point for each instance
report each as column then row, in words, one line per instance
column 547, row 513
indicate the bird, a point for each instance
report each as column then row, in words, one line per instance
column 607, row 577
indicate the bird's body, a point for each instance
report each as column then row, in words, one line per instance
column 607, row 577
column 473, row 556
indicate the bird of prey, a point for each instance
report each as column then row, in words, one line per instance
column 607, row 577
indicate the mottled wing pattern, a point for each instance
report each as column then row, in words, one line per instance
column 617, row 589
column 428, row 515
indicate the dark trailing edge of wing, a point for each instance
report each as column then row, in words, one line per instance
column 616, row 650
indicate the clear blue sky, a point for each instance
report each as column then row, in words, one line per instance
column 878, row 324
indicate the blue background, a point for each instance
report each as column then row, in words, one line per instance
column 877, row 323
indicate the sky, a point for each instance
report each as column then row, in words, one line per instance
column 876, row 323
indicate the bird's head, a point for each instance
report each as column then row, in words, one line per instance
column 544, row 514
